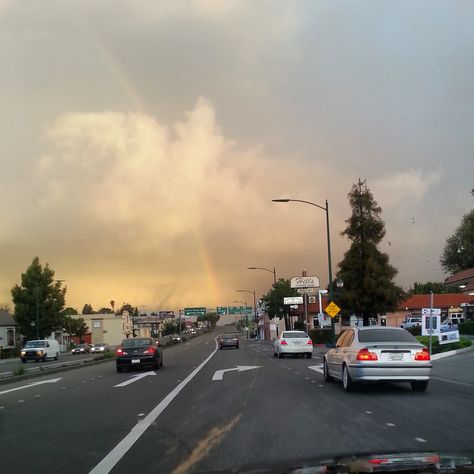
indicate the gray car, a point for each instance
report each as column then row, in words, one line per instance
column 376, row 354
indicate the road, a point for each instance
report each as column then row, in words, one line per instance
column 276, row 413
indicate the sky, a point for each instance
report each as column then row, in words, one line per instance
column 143, row 142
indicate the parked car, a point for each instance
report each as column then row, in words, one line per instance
column 293, row 342
column 411, row 322
column 176, row 338
column 81, row 349
column 41, row 349
column 139, row 352
column 100, row 348
column 369, row 354
column 229, row 340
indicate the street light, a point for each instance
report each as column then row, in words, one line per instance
column 267, row 270
column 326, row 210
column 254, row 304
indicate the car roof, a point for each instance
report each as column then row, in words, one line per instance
column 382, row 328
column 301, row 330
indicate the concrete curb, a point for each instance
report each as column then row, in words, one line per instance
column 442, row 355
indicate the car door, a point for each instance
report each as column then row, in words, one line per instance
column 335, row 356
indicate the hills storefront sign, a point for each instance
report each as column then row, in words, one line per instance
column 305, row 282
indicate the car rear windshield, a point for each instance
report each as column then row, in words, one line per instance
column 294, row 335
column 229, row 336
column 136, row 343
column 386, row 335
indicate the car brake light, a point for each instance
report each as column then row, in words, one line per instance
column 309, row 343
column 423, row 355
column 364, row 354
column 378, row 461
column 283, row 342
column 119, row 351
column 150, row 350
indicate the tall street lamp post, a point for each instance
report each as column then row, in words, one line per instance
column 267, row 270
column 254, row 304
column 326, row 210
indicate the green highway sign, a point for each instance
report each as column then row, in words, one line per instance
column 195, row 311
column 247, row 309
column 234, row 310
column 222, row 310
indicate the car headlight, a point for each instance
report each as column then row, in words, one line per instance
column 23, row 353
column 39, row 353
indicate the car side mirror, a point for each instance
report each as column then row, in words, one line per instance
column 47, row 344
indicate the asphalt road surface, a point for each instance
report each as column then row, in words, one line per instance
column 195, row 415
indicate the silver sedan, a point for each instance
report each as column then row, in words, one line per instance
column 293, row 342
column 375, row 354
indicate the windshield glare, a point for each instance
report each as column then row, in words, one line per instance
column 295, row 335
column 386, row 335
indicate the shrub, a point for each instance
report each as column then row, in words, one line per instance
column 466, row 328
column 320, row 336
column 20, row 370
column 438, row 348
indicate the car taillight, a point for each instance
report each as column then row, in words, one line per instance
column 119, row 351
column 364, row 354
column 309, row 343
column 423, row 355
column 283, row 342
column 378, row 461
column 149, row 350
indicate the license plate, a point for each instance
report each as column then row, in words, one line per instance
column 135, row 361
column 395, row 357
column 297, row 343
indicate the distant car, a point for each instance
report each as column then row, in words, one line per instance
column 81, row 349
column 369, row 354
column 411, row 322
column 41, row 349
column 176, row 338
column 293, row 343
column 100, row 348
column 229, row 340
column 139, row 352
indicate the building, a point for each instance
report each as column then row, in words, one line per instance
column 412, row 306
column 8, row 335
column 463, row 280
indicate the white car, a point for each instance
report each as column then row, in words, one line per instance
column 293, row 342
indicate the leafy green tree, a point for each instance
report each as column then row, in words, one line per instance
column 274, row 298
column 432, row 286
column 212, row 319
column 75, row 327
column 40, row 297
column 70, row 311
column 87, row 309
column 169, row 328
column 369, row 289
column 105, row 310
column 458, row 253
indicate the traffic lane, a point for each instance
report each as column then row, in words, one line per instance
column 83, row 415
column 226, row 424
column 204, row 411
column 455, row 368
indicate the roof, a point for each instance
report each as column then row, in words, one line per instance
column 446, row 300
column 463, row 276
column 6, row 319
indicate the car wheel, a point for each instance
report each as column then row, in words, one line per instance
column 237, row 346
column 45, row 358
column 161, row 361
column 280, row 355
column 309, row 355
column 419, row 386
column 327, row 377
column 24, row 361
column 57, row 356
column 347, row 382
column 119, row 369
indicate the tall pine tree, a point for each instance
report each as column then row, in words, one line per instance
column 366, row 272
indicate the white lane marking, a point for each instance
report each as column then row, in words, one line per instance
column 134, row 379
column 141, row 414
column 390, row 424
column 21, row 401
column 317, row 368
column 117, row 453
column 34, row 384
column 1, row 408
column 37, row 396
column 420, row 440
column 219, row 374
column 455, row 382
column 368, row 412
column 320, row 385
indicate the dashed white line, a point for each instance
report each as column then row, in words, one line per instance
column 1, row 408
column 21, row 401
column 37, row 396
column 390, row 424
column 420, row 440
column 141, row 414
column 368, row 412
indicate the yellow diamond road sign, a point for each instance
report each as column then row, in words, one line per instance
column 332, row 309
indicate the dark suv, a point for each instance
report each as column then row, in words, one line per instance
column 139, row 352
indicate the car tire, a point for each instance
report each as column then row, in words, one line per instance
column 326, row 376
column 280, row 355
column 237, row 346
column 23, row 361
column 347, row 382
column 57, row 356
column 161, row 361
column 309, row 355
column 419, row 386
column 119, row 369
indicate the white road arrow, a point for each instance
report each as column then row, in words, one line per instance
column 317, row 368
column 134, row 379
column 219, row 374
column 34, row 384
